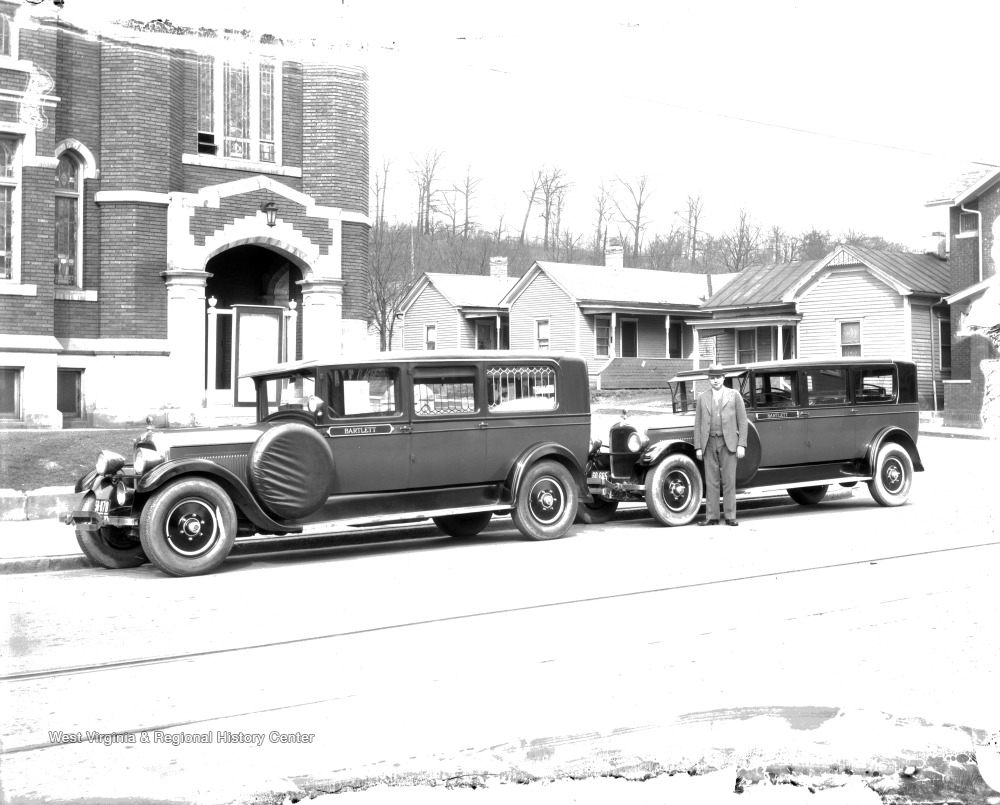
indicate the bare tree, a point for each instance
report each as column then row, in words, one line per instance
column 664, row 250
column 467, row 190
column 639, row 193
column 692, row 218
column 741, row 245
column 604, row 202
column 553, row 186
column 387, row 276
column 424, row 174
column 535, row 185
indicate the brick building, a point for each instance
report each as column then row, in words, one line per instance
column 973, row 203
column 174, row 209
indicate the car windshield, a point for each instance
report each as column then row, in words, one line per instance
column 684, row 393
column 288, row 392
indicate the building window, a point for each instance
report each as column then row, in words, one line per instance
column 968, row 223
column 10, row 393
column 238, row 104
column 602, row 337
column 9, row 187
column 430, row 336
column 542, row 333
column 746, row 346
column 944, row 343
column 850, row 339
column 67, row 221
column 5, row 36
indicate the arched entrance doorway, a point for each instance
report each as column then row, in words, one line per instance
column 254, row 303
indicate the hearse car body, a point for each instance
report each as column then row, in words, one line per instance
column 811, row 424
column 454, row 437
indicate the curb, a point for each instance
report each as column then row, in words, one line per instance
column 47, row 503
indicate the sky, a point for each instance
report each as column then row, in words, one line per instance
column 839, row 116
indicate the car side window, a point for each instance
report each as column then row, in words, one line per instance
column 827, row 386
column 445, row 391
column 362, row 392
column 775, row 390
column 875, row 385
column 521, row 388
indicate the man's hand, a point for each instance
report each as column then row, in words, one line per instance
column 740, row 452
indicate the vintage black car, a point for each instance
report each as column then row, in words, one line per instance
column 812, row 424
column 453, row 437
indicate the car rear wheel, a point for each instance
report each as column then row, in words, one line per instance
column 807, row 495
column 674, row 490
column 188, row 527
column 892, row 476
column 546, row 501
column 463, row 525
column 594, row 511
column 109, row 547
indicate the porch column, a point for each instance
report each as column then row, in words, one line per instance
column 186, row 322
column 499, row 343
column 697, row 348
column 322, row 321
column 613, row 351
column 666, row 333
column 781, row 342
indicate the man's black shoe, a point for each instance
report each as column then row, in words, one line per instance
column 731, row 522
column 708, row 522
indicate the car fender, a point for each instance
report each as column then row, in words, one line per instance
column 656, row 452
column 234, row 486
column 90, row 482
column 900, row 437
column 537, row 452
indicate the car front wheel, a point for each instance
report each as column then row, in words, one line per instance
column 188, row 527
column 674, row 490
column 546, row 501
column 463, row 525
column 807, row 495
column 594, row 511
column 892, row 476
column 109, row 547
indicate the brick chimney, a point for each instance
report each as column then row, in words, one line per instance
column 498, row 268
column 614, row 257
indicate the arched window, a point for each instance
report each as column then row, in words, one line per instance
column 9, row 178
column 67, row 259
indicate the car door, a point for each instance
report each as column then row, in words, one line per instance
column 448, row 443
column 367, row 429
column 831, row 434
column 875, row 392
column 777, row 411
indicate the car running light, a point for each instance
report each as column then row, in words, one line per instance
column 109, row 463
column 635, row 442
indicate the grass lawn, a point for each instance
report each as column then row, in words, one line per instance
column 33, row 459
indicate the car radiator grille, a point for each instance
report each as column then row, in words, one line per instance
column 622, row 459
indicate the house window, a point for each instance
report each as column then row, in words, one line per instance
column 430, row 336
column 602, row 337
column 9, row 181
column 850, row 339
column 67, row 221
column 944, row 343
column 968, row 223
column 5, row 36
column 746, row 346
column 10, row 393
column 238, row 103
column 542, row 333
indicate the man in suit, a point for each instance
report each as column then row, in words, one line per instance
column 720, row 437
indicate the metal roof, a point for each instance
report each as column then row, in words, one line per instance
column 761, row 285
column 965, row 186
column 471, row 290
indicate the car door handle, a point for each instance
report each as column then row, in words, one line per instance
column 405, row 429
column 803, row 415
column 482, row 426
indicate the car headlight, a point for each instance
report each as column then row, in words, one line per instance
column 109, row 463
column 635, row 442
column 145, row 459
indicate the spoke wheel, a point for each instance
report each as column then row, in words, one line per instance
column 546, row 501
column 674, row 490
column 188, row 527
column 109, row 547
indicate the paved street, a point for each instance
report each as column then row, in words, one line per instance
column 846, row 635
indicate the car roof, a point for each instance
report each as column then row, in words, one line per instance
column 795, row 363
column 406, row 356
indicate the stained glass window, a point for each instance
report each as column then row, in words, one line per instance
column 67, row 204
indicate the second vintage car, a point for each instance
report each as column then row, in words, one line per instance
column 452, row 437
column 812, row 424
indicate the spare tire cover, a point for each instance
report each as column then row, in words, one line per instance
column 291, row 470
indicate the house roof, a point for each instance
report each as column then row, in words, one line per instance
column 624, row 287
column 779, row 283
column 965, row 186
column 462, row 290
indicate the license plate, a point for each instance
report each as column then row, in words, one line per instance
column 600, row 475
column 103, row 507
